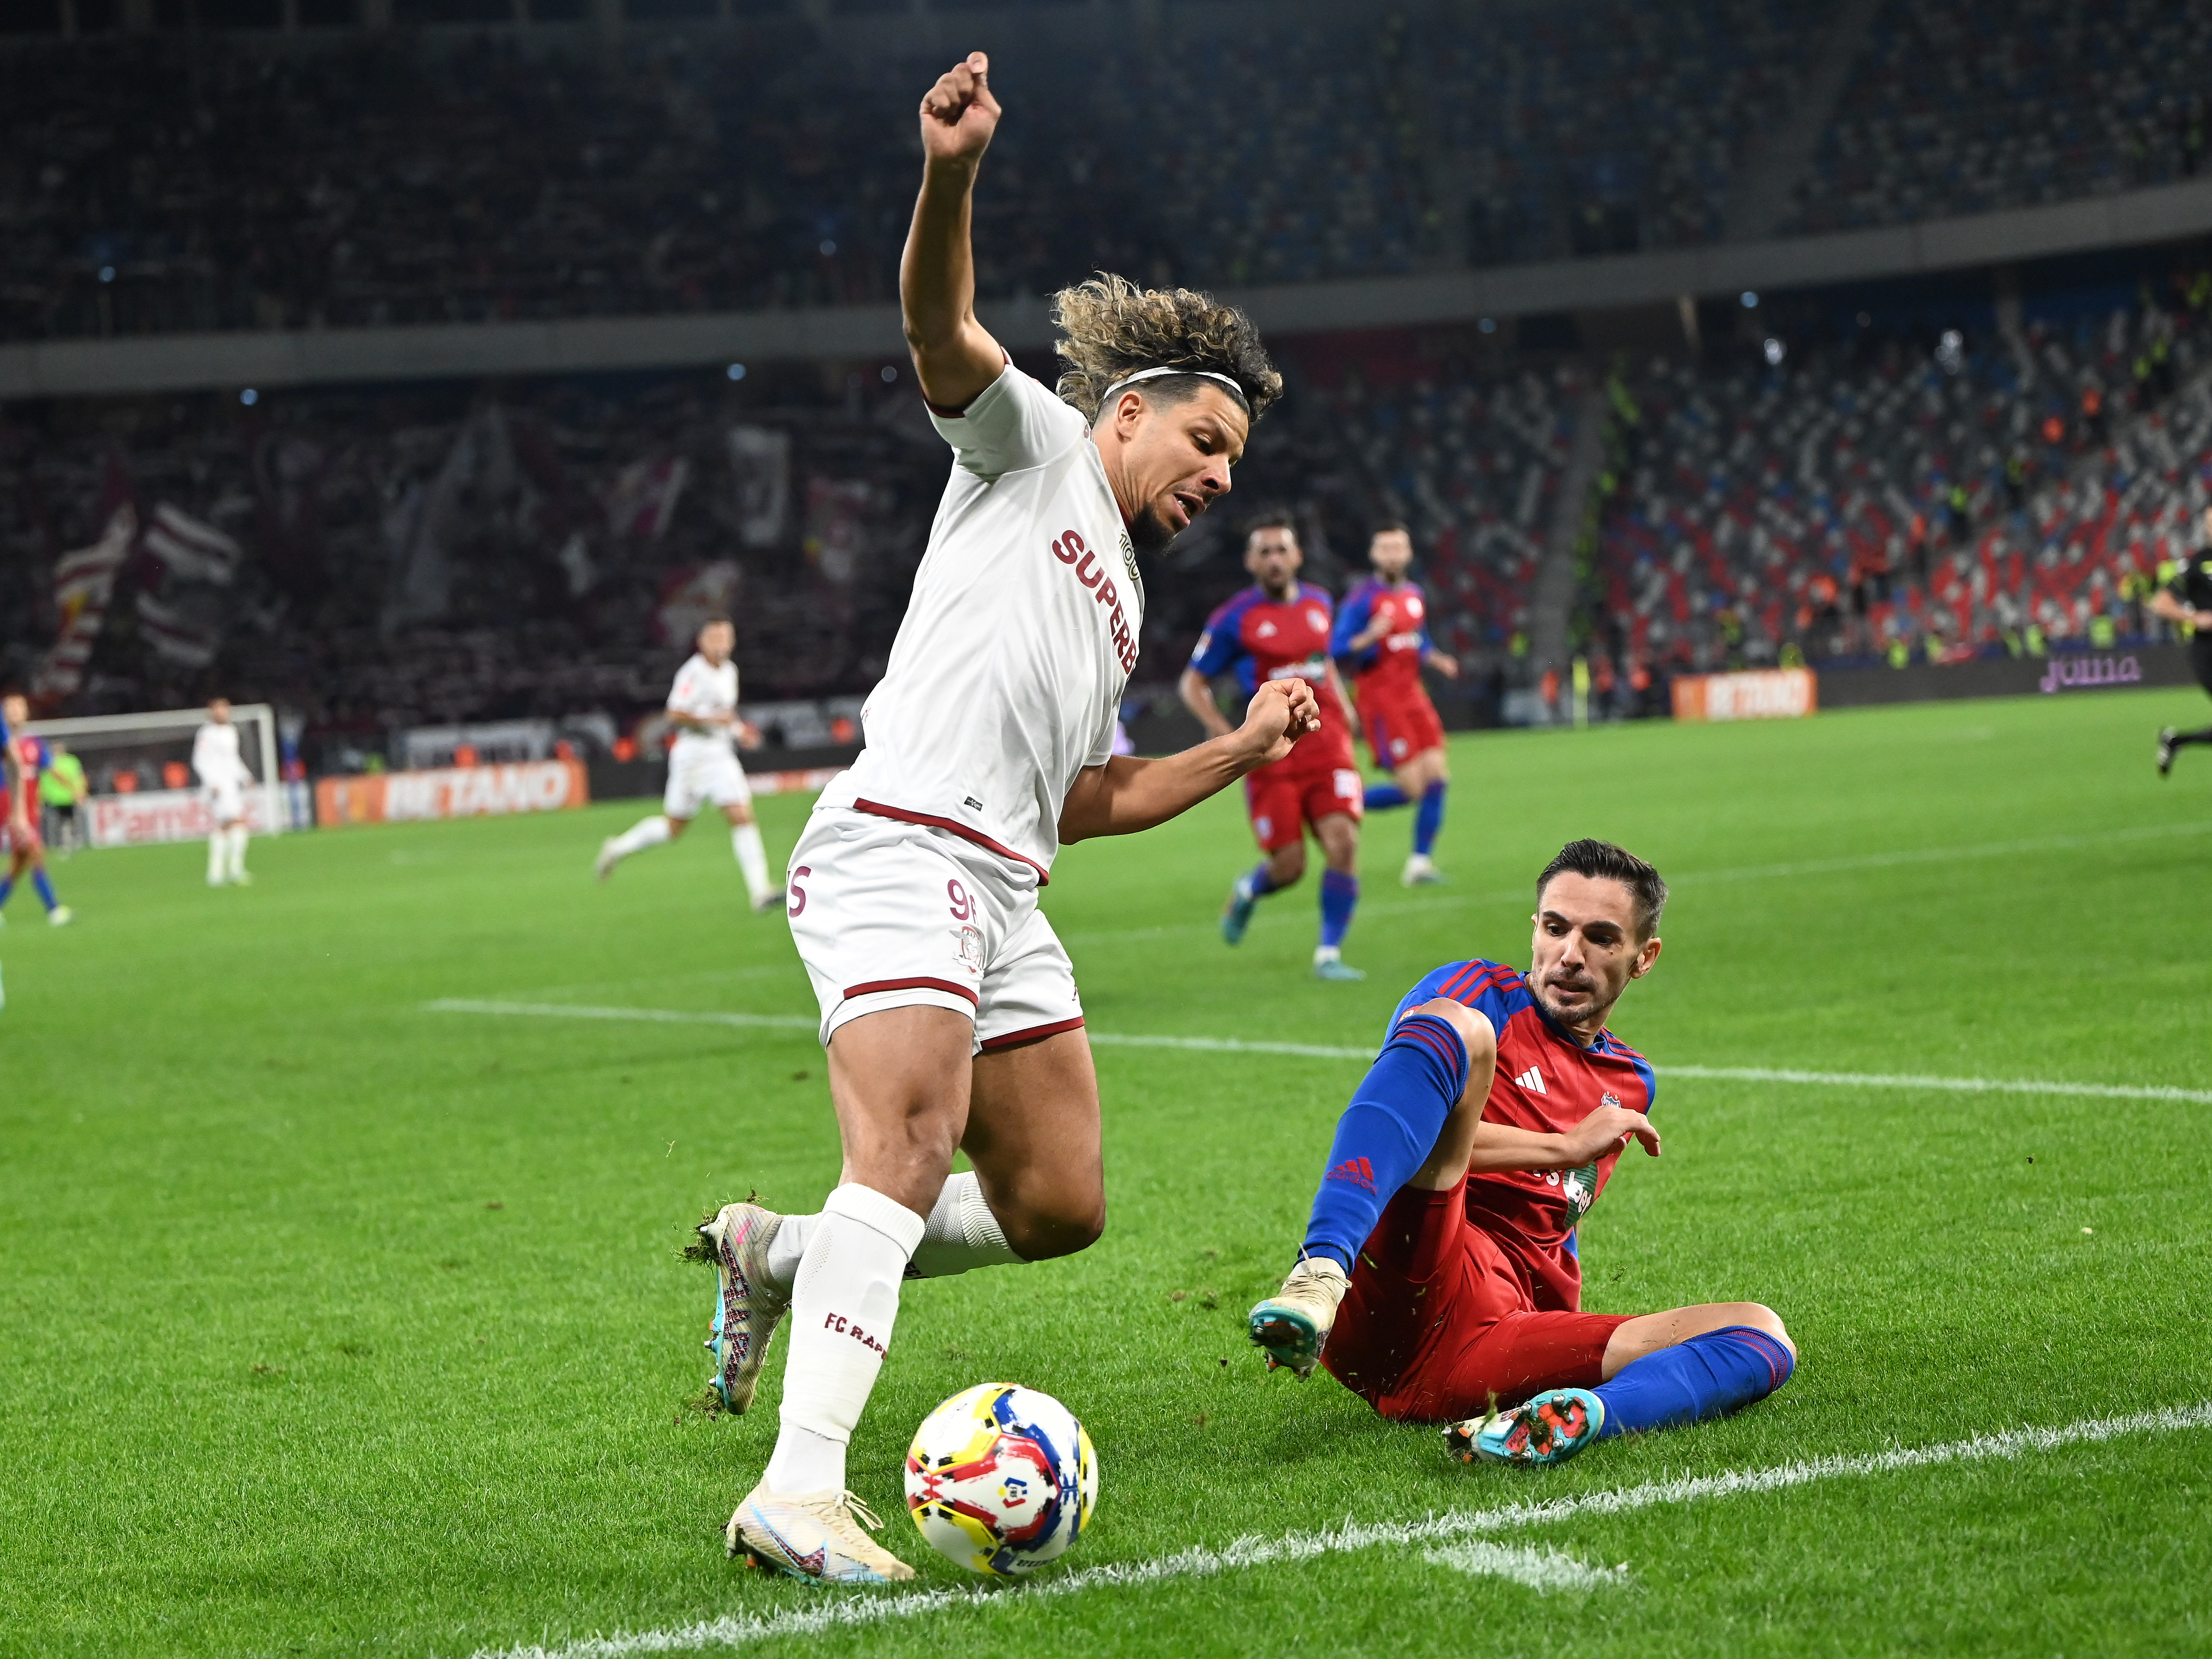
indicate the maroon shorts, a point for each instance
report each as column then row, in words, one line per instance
column 1440, row 1323
column 1398, row 728
column 1319, row 776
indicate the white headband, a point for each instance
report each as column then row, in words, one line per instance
column 1121, row 386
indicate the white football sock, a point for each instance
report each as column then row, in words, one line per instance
column 645, row 832
column 237, row 850
column 961, row 1233
column 843, row 1306
column 752, row 858
column 786, row 1249
column 218, row 844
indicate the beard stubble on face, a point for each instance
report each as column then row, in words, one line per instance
column 1150, row 533
column 1592, row 1013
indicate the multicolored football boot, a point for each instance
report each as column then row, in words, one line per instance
column 1291, row 1326
column 747, row 1308
column 1548, row 1428
column 815, row 1536
column 1237, row 915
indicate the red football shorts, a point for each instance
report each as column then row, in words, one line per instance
column 1401, row 727
column 1319, row 776
column 1439, row 1322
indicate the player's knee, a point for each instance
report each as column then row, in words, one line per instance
column 1287, row 864
column 1474, row 1032
column 1761, row 1317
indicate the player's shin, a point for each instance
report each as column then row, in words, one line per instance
column 1709, row 1376
column 1339, row 897
column 752, row 859
column 1386, row 1133
column 843, row 1307
column 1429, row 820
column 44, row 886
column 961, row 1233
column 218, row 855
column 645, row 832
column 1382, row 797
column 238, row 837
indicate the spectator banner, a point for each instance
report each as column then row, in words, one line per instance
column 156, row 815
column 457, row 792
column 1771, row 694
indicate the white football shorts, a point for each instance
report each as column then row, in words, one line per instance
column 891, row 915
column 708, row 776
column 227, row 802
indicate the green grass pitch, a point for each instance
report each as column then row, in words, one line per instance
column 334, row 1325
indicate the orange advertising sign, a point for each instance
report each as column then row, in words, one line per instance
column 1769, row 693
column 457, row 792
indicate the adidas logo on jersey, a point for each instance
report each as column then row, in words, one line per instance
column 1532, row 1080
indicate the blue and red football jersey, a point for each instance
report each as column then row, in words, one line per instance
column 1547, row 1082
column 1269, row 639
column 1391, row 665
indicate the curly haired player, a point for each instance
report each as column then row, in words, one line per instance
column 1439, row 1279
column 949, row 1009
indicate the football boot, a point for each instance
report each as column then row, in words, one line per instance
column 1548, row 1428
column 747, row 1307
column 1291, row 1326
column 818, row 1536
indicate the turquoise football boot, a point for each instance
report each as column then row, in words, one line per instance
column 1549, row 1428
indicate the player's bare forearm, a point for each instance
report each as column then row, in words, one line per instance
column 1197, row 694
column 1501, row 1147
column 954, row 357
column 2165, row 604
column 1128, row 794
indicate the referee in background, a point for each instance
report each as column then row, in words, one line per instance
column 2188, row 599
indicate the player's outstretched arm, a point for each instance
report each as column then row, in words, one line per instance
column 1126, row 794
column 953, row 357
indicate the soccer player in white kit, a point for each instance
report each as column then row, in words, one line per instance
column 224, row 779
column 949, row 1009
column 702, row 766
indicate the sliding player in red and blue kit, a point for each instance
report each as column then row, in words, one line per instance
column 28, row 757
column 1439, row 1280
column 1381, row 636
column 1278, row 629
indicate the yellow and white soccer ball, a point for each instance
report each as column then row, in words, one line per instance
column 1001, row 1478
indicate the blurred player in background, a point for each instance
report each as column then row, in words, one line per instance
column 27, row 758
column 224, row 779
column 702, row 766
column 61, row 793
column 949, row 1008
column 2187, row 599
column 1382, row 634
column 1277, row 630
column 1440, row 1276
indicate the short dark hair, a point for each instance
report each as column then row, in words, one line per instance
column 1600, row 860
column 1391, row 527
column 1273, row 518
column 718, row 620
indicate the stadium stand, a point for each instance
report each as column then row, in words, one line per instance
column 1932, row 496
column 1967, row 105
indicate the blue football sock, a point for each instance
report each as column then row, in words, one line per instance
column 1708, row 1375
column 1340, row 893
column 1256, row 883
column 45, row 887
column 1386, row 1133
column 1383, row 796
column 1429, row 819
column 7, row 886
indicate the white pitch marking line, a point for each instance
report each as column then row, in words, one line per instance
column 1542, row 1570
column 860, row 1608
column 1964, row 1086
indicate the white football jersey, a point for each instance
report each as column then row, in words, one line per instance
column 216, row 760
column 1007, row 678
column 704, row 692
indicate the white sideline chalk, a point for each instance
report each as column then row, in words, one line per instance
column 1542, row 1570
column 862, row 1608
column 1965, row 1085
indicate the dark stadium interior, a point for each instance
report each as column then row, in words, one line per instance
column 1993, row 459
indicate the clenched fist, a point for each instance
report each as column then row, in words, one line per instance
column 958, row 114
column 1281, row 712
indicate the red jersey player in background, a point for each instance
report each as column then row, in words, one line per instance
column 1381, row 636
column 1277, row 630
column 27, row 760
column 1440, row 1277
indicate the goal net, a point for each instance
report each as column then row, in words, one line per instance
column 139, row 769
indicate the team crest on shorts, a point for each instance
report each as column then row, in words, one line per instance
column 969, row 948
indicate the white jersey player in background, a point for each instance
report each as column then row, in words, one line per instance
column 948, row 1008
column 224, row 779
column 702, row 766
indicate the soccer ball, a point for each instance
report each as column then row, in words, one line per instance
column 1001, row 1478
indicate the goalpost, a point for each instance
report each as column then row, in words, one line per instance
column 131, row 762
